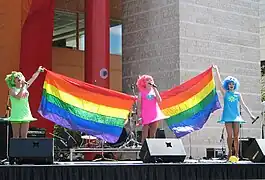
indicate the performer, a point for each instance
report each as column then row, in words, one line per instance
column 148, row 108
column 20, row 110
column 231, row 115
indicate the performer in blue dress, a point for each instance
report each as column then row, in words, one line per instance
column 231, row 114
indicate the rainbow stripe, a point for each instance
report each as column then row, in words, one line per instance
column 190, row 104
column 84, row 107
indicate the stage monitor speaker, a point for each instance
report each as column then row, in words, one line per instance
column 256, row 151
column 162, row 151
column 31, row 151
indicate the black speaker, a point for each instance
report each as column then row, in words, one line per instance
column 4, row 137
column 162, row 150
column 256, row 151
column 160, row 133
column 31, row 151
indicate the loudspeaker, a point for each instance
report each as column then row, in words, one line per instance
column 160, row 133
column 4, row 137
column 256, row 151
column 31, row 151
column 162, row 150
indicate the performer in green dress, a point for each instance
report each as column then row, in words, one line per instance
column 19, row 97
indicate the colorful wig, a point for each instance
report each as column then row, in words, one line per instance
column 141, row 82
column 10, row 78
column 229, row 79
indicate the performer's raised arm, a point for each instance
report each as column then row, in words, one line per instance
column 35, row 76
column 218, row 80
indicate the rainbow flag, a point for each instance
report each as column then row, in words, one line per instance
column 84, row 107
column 190, row 104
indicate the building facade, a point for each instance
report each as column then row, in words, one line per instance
column 174, row 40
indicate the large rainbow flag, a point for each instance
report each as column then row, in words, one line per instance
column 84, row 107
column 190, row 104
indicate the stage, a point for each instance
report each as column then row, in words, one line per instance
column 134, row 170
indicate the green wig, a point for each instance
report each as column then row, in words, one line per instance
column 10, row 78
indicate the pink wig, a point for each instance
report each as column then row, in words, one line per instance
column 141, row 82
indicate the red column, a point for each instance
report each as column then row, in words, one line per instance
column 36, row 50
column 97, row 45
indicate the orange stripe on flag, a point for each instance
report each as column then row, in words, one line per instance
column 89, row 92
column 188, row 93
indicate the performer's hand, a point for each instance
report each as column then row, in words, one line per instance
column 41, row 69
column 139, row 122
column 23, row 83
column 215, row 67
column 253, row 118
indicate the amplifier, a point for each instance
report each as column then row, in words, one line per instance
column 37, row 132
column 215, row 152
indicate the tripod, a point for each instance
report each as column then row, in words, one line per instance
column 132, row 138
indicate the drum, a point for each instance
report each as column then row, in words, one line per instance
column 91, row 141
column 124, row 135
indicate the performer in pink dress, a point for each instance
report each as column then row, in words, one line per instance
column 148, row 108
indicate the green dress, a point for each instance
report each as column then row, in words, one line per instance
column 20, row 110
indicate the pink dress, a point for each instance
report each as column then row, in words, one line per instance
column 150, row 111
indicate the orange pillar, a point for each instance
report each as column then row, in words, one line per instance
column 97, row 45
column 10, row 35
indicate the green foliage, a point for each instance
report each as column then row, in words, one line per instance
column 262, row 82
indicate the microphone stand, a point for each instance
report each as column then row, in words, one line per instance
column 240, row 138
column 102, row 158
column 223, row 144
column 7, row 115
column 190, row 146
column 132, row 137
column 70, row 136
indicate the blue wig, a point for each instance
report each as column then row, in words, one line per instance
column 229, row 79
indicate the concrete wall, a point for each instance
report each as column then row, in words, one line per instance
column 174, row 40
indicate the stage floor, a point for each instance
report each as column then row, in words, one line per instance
column 135, row 170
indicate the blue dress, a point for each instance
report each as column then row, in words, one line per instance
column 231, row 108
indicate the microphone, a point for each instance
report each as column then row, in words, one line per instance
column 132, row 86
column 155, row 86
column 255, row 120
column 22, row 80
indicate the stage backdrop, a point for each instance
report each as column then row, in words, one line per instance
column 36, row 49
